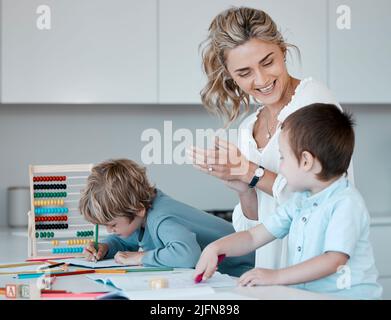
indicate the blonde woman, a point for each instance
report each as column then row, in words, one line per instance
column 244, row 57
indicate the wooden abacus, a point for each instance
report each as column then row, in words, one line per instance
column 56, row 227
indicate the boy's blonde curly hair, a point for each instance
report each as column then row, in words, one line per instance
column 115, row 188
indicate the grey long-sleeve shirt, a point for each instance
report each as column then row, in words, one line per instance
column 175, row 235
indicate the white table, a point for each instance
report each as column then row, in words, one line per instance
column 13, row 248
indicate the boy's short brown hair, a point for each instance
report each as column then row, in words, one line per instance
column 115, row 188
column 324, row 131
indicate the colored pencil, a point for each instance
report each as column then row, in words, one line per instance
column 15, row 265
column 96, row 244
column 59, row 274
column 40, row 259
column 96, row 237
column 52, row 266
column 110, row 271
column 54, row 291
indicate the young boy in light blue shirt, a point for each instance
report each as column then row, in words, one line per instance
column 326, row 218
column 140, row 216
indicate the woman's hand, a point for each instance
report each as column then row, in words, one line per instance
column 128, row 258
column 259, row 276
column 225, row 162
column 92, row 255
column 239, row 186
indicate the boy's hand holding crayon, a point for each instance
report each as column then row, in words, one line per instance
column 94, row 255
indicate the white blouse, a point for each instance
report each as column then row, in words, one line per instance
column 274, row 254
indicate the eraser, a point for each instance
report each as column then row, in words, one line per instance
column 158, row 283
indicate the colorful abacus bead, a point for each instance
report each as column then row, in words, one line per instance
column 49, row 178
column 51, row 226
column 67, row 250
column 84, row 233
column 49, row 186
column 50, row 210
column 52, row 202
column 50, row 194
column 51, row 218
column 46, row 234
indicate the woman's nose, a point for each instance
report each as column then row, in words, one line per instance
column 259, row 78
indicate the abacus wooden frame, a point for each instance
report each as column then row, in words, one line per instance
column 47, row 169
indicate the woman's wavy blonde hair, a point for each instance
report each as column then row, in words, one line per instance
column 229, row 29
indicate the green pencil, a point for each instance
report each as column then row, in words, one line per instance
column 150, row 269
column 96, row 238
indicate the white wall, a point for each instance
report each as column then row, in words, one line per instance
column 48, row 134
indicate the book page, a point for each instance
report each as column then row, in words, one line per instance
column 176, row 280
column 81, row 262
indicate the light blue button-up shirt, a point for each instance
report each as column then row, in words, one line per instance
column 335, row 219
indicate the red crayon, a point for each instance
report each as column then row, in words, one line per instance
column 198, row 278
column 71, row 273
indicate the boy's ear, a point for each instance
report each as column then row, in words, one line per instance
column 307, row 160
column 141, row 213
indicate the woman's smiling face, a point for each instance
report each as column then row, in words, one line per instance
column 259, row 69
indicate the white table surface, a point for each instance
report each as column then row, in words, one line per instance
column 13, row 248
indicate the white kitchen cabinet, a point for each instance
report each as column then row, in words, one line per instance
column 359, row 57
column 96, row 51
column 183, row 25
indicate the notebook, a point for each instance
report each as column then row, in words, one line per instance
column 160, row 294
column 178, row 279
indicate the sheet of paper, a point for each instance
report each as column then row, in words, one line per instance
column 176, row 280
column 108, row 263
column 218, row 296
column 160, row 294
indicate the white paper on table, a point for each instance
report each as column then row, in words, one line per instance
column 218, row 296
column 108, row 263
column 162, row 294
column 176, row 280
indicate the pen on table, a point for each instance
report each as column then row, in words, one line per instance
column 220, row 258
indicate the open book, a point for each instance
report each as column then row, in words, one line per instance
column 201, row 293
column 178, row 279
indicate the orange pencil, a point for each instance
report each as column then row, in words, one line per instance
column 110, row 271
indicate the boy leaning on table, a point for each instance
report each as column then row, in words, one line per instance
column 326, row 219
column 170, row 233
